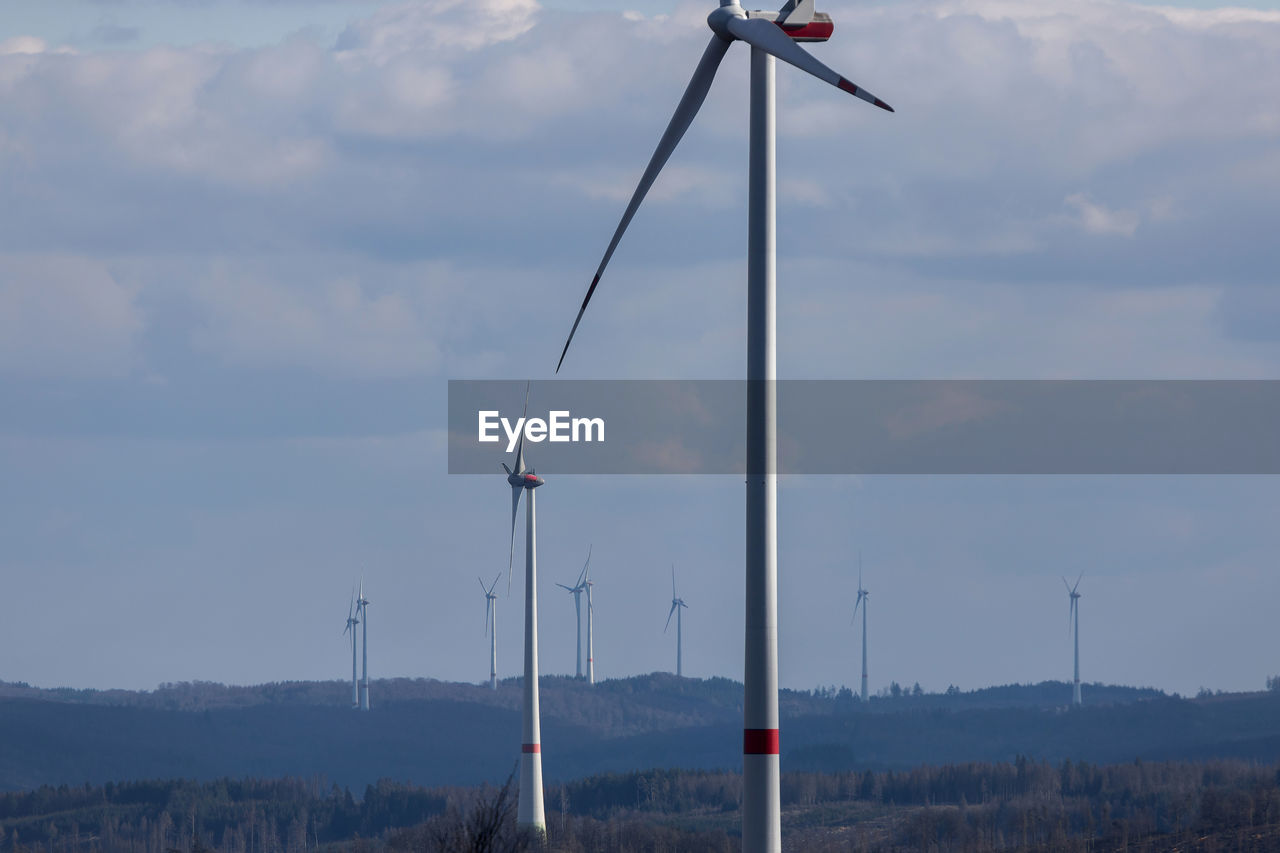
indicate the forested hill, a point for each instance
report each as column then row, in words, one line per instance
column 436, row 733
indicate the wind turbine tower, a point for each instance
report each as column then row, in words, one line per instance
column 677, row 604
column 1073, row 627
column 491, row 628
column 863, row 599
column 352, row 622
column 576, row 591
column 770, row 35
column 530, row 810
column 363, row 605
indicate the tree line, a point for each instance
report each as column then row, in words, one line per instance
column 1019, row 805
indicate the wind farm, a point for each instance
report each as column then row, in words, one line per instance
column 273, row 277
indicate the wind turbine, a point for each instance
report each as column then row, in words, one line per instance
column 491, row 621
column 352, row 622
column 591, row 654
column 576, row 591
column 1073, row 627
column 770, row 35
column 362, row 604
column 529, row 811
column 677, row 604
column 863, row 598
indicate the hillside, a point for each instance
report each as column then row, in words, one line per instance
column 438, row 733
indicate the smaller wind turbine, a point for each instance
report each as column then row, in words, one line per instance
column 864, row 598
column 576, row 591
column 1073, row 628
column 363, row 604
column 677, row 604
column 491, row 622
column 591, row 654
column 352, row 622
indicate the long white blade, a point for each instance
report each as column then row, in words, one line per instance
column 583, row 575
column 769, row 37
column 690, row 103
column 520, row 444
column 515, row 507
column 672, row 610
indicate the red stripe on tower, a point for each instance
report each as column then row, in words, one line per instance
column 531, row 747
column 759, row 741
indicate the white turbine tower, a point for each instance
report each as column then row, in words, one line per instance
column 591, row 647
column 576, row 591
column 363, row 604
column 352, row 622
column 530, row 811
column 864, row 598
column 1073, row 628
column 677, row 604
column 491, row 627
column 770, row 35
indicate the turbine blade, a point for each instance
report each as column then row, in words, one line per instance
column 1077, row 586
column 690, row 103
column 496, row 578
column 515, row 507
column 520, row 443
column 769, row 37
column 482, row 586
column 1067, row 585
column 854, row 618
column 562, row 586
column 583, row 575
column 669, row 612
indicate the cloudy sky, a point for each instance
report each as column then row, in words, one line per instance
column 244, row 244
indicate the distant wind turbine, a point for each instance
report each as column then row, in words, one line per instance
column 352, row 622
column 677, row 604
column 576, row 591
column 591, row 653
column 863, row 598
column 491, row 622
column 530, row 811
column 363, row 604
column 1073, row 628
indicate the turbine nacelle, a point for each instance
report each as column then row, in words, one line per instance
column 810, row 27
column 522, row 479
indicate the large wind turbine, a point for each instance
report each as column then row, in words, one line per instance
column 863, row 598
column 769, row 35
column 1073, row 627
column 677, row 604
column 529, row 810
column 352, row 622
column 363, row 604
column 591, row 647
column 576, row 591
column 491, row 622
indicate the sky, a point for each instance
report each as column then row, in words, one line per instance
column 245, row 243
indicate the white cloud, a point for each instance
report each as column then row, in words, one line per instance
column 340, row 326
column 66, row 316
column 1098, row 219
